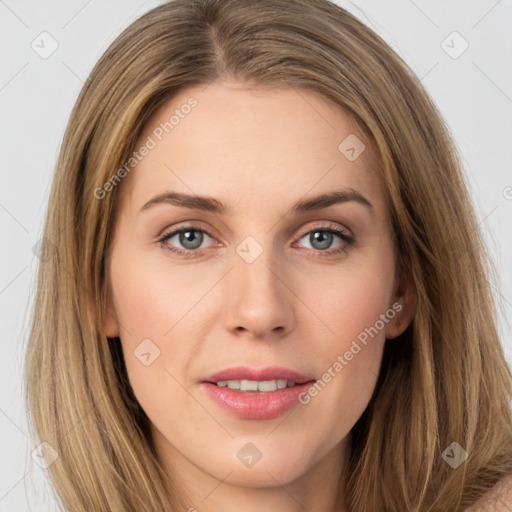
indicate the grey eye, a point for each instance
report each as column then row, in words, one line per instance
column 188, row 239
column 321, row 239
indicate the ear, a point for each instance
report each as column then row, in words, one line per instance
column 111, row 327
column 404, row 304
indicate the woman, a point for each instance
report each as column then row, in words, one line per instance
column 189, row 352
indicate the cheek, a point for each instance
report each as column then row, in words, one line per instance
column 152, row 301
column 352, row 350
column 355, row 309
column 149, row 299
column 350, row 300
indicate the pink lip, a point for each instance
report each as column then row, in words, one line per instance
column 248, row 373
column 256, row 405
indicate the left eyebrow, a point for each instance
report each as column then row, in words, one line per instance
column 213, row 205
column 331, row 198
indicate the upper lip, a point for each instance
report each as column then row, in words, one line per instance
column 259, row 374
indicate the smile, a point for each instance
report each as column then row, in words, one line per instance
column 256, row 394
column 255, row 385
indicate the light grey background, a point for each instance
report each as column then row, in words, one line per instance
column 473, row 91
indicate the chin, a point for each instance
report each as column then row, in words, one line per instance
column 262, row 474
column 259, row 463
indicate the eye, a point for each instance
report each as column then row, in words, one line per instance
column 191, row 239
column 322, row 238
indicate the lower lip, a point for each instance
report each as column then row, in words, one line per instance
column 256, row 405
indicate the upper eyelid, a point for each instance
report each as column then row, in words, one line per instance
column 192, row 226
column 326, row 226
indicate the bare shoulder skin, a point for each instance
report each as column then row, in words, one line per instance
column 499, row 499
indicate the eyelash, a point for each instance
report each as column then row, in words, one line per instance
column 191, row 253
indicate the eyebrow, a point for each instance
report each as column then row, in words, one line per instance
column 210, row 204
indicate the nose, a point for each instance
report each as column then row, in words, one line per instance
column 259, row 301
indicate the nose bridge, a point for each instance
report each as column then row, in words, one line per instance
column 259, row 301
column 257, row 266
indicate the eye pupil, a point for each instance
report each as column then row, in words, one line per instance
column 187, row 239
column 323, row 237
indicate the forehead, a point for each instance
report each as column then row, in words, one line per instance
column 248, row 144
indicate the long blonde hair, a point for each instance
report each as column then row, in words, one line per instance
column 444, row 380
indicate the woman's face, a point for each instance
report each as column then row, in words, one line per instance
column 283, row 273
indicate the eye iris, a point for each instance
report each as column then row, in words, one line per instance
column 187, row 239
column 323, row 237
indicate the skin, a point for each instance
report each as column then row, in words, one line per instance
column 258, row 151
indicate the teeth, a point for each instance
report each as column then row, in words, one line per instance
column 266, row 385
column 251, row 385
column 281, row 383
column 256, row 385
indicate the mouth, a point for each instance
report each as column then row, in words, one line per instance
column 250, row 393
column 264, row 386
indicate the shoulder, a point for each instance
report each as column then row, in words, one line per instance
column 499, row 499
